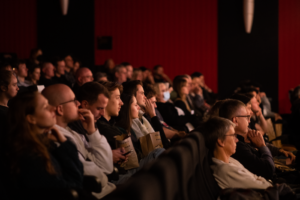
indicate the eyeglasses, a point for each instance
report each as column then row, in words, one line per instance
column 247, row 116
column 74, row 100
column 235, row 135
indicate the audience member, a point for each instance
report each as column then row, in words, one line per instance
column 141, row 126
column 21, row 72
column 221, row 140
column 69, row 65
column 83, row 75
column 34, row 74
column 60, row 70
column 5, row 65
column 96, row 154
column 147, row 75
column 34, row 161
column 137, row 75
column 129, row 69
column 209, row 96
column 35, row 54
column 159, row 75
column 120, row 74
column 47, row 74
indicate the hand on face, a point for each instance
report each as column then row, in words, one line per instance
column 256, row 138
column 149, row 108
column 87, row 119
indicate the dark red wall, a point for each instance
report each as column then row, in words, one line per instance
column 180, row 35
column 289, row 51
column 18, row 27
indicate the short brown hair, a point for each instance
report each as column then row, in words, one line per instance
column 130, row 87
column 149, row 91
column 5, row 78
column 90, row 92
column 229, row 108
column 111, row 86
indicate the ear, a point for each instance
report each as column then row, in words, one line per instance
column 84, row 104
column 3, row 88
column 234, row 120
column 59, row 110
column 116, row 74
column 220, row 143
column 31, row 119
column 79, row 79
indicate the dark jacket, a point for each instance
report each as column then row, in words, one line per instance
column 63, row 80
column 193, row 119
column 69, row 170
column 259, row 162
column 47, row 82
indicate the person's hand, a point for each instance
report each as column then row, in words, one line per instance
column 87, row 119
column 56, row 136
column 181, row 134
column 256, row 138
column 149, row 109
column 207, row 88
column 118, row 157
column 288, row 155
column 170, row 89
column 258, row 112
column 277, row 117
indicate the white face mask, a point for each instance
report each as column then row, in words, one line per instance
column 166, row 95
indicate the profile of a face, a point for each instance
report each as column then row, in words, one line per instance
column 229, row 142
column 134, row 108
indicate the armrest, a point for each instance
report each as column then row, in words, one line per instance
column 92, row 184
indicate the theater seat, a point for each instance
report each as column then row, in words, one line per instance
column 208, row 188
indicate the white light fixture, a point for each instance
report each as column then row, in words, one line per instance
column 248, row 14
column 64, row 6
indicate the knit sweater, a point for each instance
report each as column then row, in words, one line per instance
column 235, row 175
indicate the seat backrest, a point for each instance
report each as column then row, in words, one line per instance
column 182, row 156
column 142, row 186
column 192, row 144
column 165, row 170
column 207, row 185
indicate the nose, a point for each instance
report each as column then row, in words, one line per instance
column 77, row 103
column 121, row 102
column 236, row 140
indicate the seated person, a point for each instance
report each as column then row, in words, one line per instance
column 95, row 155
column 172, row 115
column 209, row 96
column 120, row 73
column 137, row 75
column 34, row 161
column 159, row 75
column 258, row 153
column 141, row 126
column 47, row 74
column 100, row 76
column 129, row 70
column 34, row 74
column 69, row 65
column 220, row 139
column 8, row 90
column 21, row 72
column 147, row 76
column 181, row 87
column 59, row 68
column 169, row 131
column 83, row 75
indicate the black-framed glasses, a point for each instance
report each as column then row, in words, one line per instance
column 235, row 135
column 73, row 100
column 247, row 116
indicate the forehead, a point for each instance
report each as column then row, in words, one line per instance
column 162, row 86
column 153, row 99
column 242, row 110
column 115, row 92
column 140, row 88
column 101, row 99
column 230, row 131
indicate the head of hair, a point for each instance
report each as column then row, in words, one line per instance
column 4, row 65
column 156, row 67
column 118, row 67
column 229, row 108
column 111, row 86
column 130, row 87
column 295, row 94
column 196, row 75
column 149, row 91
column 143, row 68
column 5, row 78
column 21, row 139
column 214, row 110
column 17, row 63
column 90, row 92
column 213, row 129
column 178, row 83
column 55, row 60
column 245, row 90
column 124, row 119
column 99, row 75
column 33, row 52
column 245, row 98
column 125, row 64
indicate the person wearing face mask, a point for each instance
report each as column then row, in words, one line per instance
column 172, row 115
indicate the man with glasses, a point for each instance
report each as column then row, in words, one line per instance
column 95, row 154
column 221, row 139
column 83, row 75
column 257, row 157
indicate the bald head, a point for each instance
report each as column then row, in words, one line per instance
column 58, row 93
column 84, row 75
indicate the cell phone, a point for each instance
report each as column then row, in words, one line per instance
column 125, row 154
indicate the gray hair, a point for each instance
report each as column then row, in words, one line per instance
column 213, row 129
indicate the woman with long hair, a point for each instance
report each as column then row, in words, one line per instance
column 38, row 156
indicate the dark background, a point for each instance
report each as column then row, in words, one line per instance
column 73, row 33
column 251, row 56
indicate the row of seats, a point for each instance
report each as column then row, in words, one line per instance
column 182, row 172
